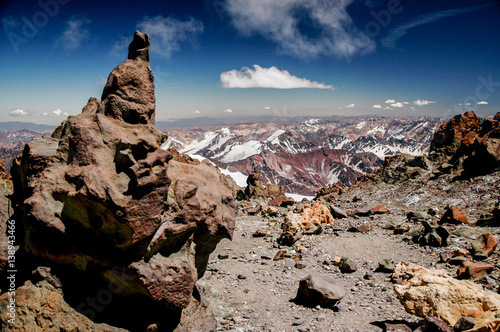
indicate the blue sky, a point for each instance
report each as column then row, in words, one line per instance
column 230, row 58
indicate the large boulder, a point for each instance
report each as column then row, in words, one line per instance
column 450, row 135
column 317, row 290
column 435, row 293
column 102, row 202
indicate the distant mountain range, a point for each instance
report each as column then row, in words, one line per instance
column 304, row 156
column 18, row 125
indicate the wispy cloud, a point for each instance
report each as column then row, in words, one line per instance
column 20, row 112
column 482, row 102
column 423, row 102
column 376, row 106
column 397, row 105
column 397, row 33
column 350, row 106
column 74, row 35
column 390, row 101
column 228, row 110
column 167, row 34
column 281, row 21
column 196, row 112
column 274, row 78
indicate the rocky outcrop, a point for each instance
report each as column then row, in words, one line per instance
column 255, row 189
column 323, row 291
column 129, row 92
column 473, row 147
column 100, row 200
column 435, row 293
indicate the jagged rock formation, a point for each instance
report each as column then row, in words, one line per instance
column 100, row 201
column 255, row 189
column 129, row 91
column 473, row 146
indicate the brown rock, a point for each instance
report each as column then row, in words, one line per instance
column 347, row 265
column 474, row 271
column 279, row 255
column 254, row 210
column 356, row 198
column 282, row 201
column 40, row 309
column 450, row 135
column 484, row 245
column 316, row 290
column 379, row 210
column 397, row 328
column 129, row 92
column 103, row 197
column 437, row 325
column 452, row 215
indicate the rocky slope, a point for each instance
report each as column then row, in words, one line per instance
column 306, row 156
column 116, row 230
column 412, row 210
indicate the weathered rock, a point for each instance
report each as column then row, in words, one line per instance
column 255, row 189
column 397, row 328
column 270, row 211
column 449, row 136
column 282, row 201
column 435, row 293
column 484, row 245
column 316, row 290
column 255, row 209
column 379, row 210
column 436, row 325
column 473, row 271
column 417, row 216
column 464, row 323
column 338, row 212
column 129, row 92
column 102, row 198
column 6, row 186
column 40, row 309
column 309, row 222
column 433, row 236
column 197, row 316
column 453, row 215
column 386, row 266
column 347, row 265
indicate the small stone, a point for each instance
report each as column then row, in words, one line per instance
column 379, row 210
column 453, row 215
column 464, row 323
column 437, row 325
column 474, row 271
column 483, row 246
column 397, row 328
column 298, row 322
column 241, row 276
column 386, row 266
column 279, row 255
column 356, row 198
column 316, row 290
column 336, row 260
column 347, row 265
column 300, row 265
column 259, row 233
column 445, row 256
column 222, row 256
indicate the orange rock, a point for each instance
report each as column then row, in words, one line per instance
column 379, row 210
column 453, row 215
column 474, row 271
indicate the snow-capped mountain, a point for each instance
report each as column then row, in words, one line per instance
column 306, row 156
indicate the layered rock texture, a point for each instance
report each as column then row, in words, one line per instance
column 103, row 204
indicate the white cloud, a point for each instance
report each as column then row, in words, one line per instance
column 350, row 106
column 468, row 104
column 45, row 114
column 406, row 103
column 228, row 110
column 397, row 105
column 167, row 34
column 390, row 101
column 387, row 108
column 58, row 112
column 273, row 77
column 376, row 106
column 397, row 33
column 267, row 108
column 196, row 112
column 282, row 22
column 18, row 112
column 482, row 102
column 423, row 102
column 74, row 35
